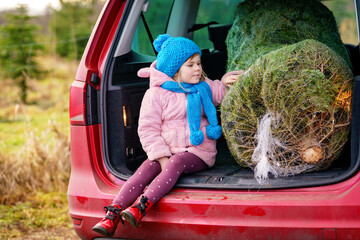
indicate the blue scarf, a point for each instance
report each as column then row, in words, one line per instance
column 198, row 94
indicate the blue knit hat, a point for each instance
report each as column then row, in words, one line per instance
column 173, row 52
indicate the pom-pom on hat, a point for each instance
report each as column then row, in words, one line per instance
column 173, row 52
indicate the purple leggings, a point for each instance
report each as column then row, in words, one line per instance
column 161, row 181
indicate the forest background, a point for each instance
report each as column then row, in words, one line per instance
column 39, row 56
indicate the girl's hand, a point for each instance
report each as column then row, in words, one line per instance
column 163, row 161
column 230, row 78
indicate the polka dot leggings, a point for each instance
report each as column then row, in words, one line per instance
column 162, row 181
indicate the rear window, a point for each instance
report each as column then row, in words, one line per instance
column 156, row 18
column 209, row 10
column 345, row 16
column 158, row 12
column 219, row 11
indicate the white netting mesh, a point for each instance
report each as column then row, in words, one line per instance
column 290, row 111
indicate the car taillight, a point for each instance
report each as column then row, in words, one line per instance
column 77, row 103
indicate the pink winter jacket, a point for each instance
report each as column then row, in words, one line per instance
column 163, row 125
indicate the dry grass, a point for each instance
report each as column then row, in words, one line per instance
column 348, row 31
column 37, row 167
column 35, row 155
column 41, row 216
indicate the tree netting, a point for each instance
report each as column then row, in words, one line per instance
column 290, row 111
column 263, row 26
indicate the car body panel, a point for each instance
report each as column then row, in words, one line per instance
column 323, row 212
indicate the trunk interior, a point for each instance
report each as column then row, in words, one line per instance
column 121, row 97
column 122, row 92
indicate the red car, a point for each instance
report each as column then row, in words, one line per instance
column 224, row 202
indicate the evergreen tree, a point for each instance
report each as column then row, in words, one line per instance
column 19, row 48
column 290, row 111
column 72, row 25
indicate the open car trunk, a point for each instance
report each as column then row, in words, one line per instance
column 120, row 100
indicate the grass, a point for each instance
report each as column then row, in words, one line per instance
column 48, row 104
column 35, row 156
column 37, row 218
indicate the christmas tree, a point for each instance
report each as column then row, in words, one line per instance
column 290, row 111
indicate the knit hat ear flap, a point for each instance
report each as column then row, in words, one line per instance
column 159, row 41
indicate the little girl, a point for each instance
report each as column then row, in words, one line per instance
column 178, row 129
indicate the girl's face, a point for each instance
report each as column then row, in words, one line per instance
column 190, row 72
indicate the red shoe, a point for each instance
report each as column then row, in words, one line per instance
column 137, row 211
column 108, row 224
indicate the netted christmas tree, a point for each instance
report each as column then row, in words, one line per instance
column 290, row 111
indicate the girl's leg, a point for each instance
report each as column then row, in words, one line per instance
column 179, row 163
column 134, row 186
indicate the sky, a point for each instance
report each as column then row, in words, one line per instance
column 35, row 6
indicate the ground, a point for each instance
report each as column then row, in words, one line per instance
column 52, row 234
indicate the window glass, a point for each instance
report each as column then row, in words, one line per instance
column 344, row 13
column 156, row 18
column 220, row 11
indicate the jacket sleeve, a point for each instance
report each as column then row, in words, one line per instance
column 218, row 90
column 150, row 126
